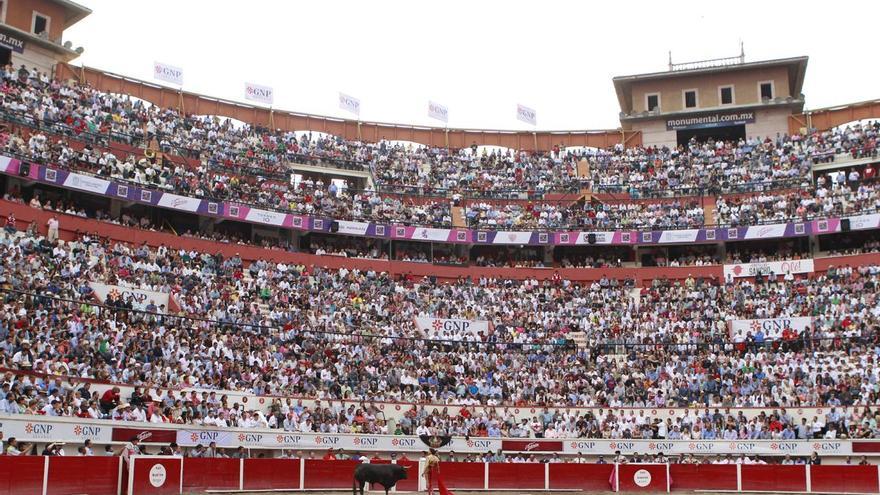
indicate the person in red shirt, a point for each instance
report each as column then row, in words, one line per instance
column 329, row 456
column 110, row 399
column 869, row 172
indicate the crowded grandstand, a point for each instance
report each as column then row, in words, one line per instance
column 239, row 285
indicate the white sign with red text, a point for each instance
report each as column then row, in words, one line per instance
column 779, row 268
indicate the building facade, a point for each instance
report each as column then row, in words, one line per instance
column 730, row 99
column 32, row 32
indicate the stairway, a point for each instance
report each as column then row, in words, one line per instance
column 709, row 213
column 459, row 220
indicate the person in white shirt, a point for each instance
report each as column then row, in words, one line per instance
column 52, row 224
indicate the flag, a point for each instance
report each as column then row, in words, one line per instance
column 168, row 73
column 526, row 114
column 438, row 111
column 350, row 104
column 262, row 94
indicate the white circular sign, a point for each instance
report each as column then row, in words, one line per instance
column 158, row 475
column 642, row 478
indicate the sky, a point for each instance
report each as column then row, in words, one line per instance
column 478, row 58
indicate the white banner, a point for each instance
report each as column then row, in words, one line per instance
column 41, row 429
column 778, row 267
column 671, row 236
column 601, row 237
column 504, row 237
column 280, row 439
column 86, row 183
column 257, row 215
column 189, row 438
column 766, row 231
column 698, row 447
column 256, row 92
column 353, row 228
column 5, row 163
column 176, row 202
column 139, row 295
column 526, row 114
column 350, row 104
column 168, row 73
column 438, row 112
column 861, row 222
column 434, row 325
column 75, row 431
column 428, row 234
column 771, row 327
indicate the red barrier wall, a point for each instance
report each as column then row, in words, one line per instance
column 140, row 482
column 411, row 483
column 774, row 478
column 525, row 476
column 99, row 476
column 210, row 474
column 463, row 475
column 703, row 476
column 67, row 475
column 849, row 479
column 329, row 474
column 642, row 478
column 587, row 477
column 271, row 474
column 22, row 475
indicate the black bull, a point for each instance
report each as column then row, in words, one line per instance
column 386, row 475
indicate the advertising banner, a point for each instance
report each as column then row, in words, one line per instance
column 778, row 267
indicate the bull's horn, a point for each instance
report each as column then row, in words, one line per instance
column 405, row 467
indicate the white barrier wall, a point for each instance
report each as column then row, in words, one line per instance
column 75, row 431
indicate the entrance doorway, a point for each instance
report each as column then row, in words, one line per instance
column 5, row 56
column 725, row 133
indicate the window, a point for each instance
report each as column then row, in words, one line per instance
column 726, row 95
column 766, row 89
column 40, row 23
column 653, row 102
column 690, row 98
column 3, row 10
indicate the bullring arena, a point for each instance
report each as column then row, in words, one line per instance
column 210, row 295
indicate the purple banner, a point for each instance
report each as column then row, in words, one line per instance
column 251, row 214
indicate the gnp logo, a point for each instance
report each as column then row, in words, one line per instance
column 40, row 430
column 288, row 439
column 250, row 437
column 168, row 71
column 784, row 446
column 366, row 441
column 621, row 445
column 260, row 92
column 701, row 446
column 403, row 442
column 326, row 440
column 581, row 446
column 828, row 446
column 479, row 444
column 204, row 436
column 742, row 446
column 87, row 431
column 661, row 446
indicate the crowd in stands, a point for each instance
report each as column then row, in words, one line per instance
column 305, row 331
column 230, row 159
